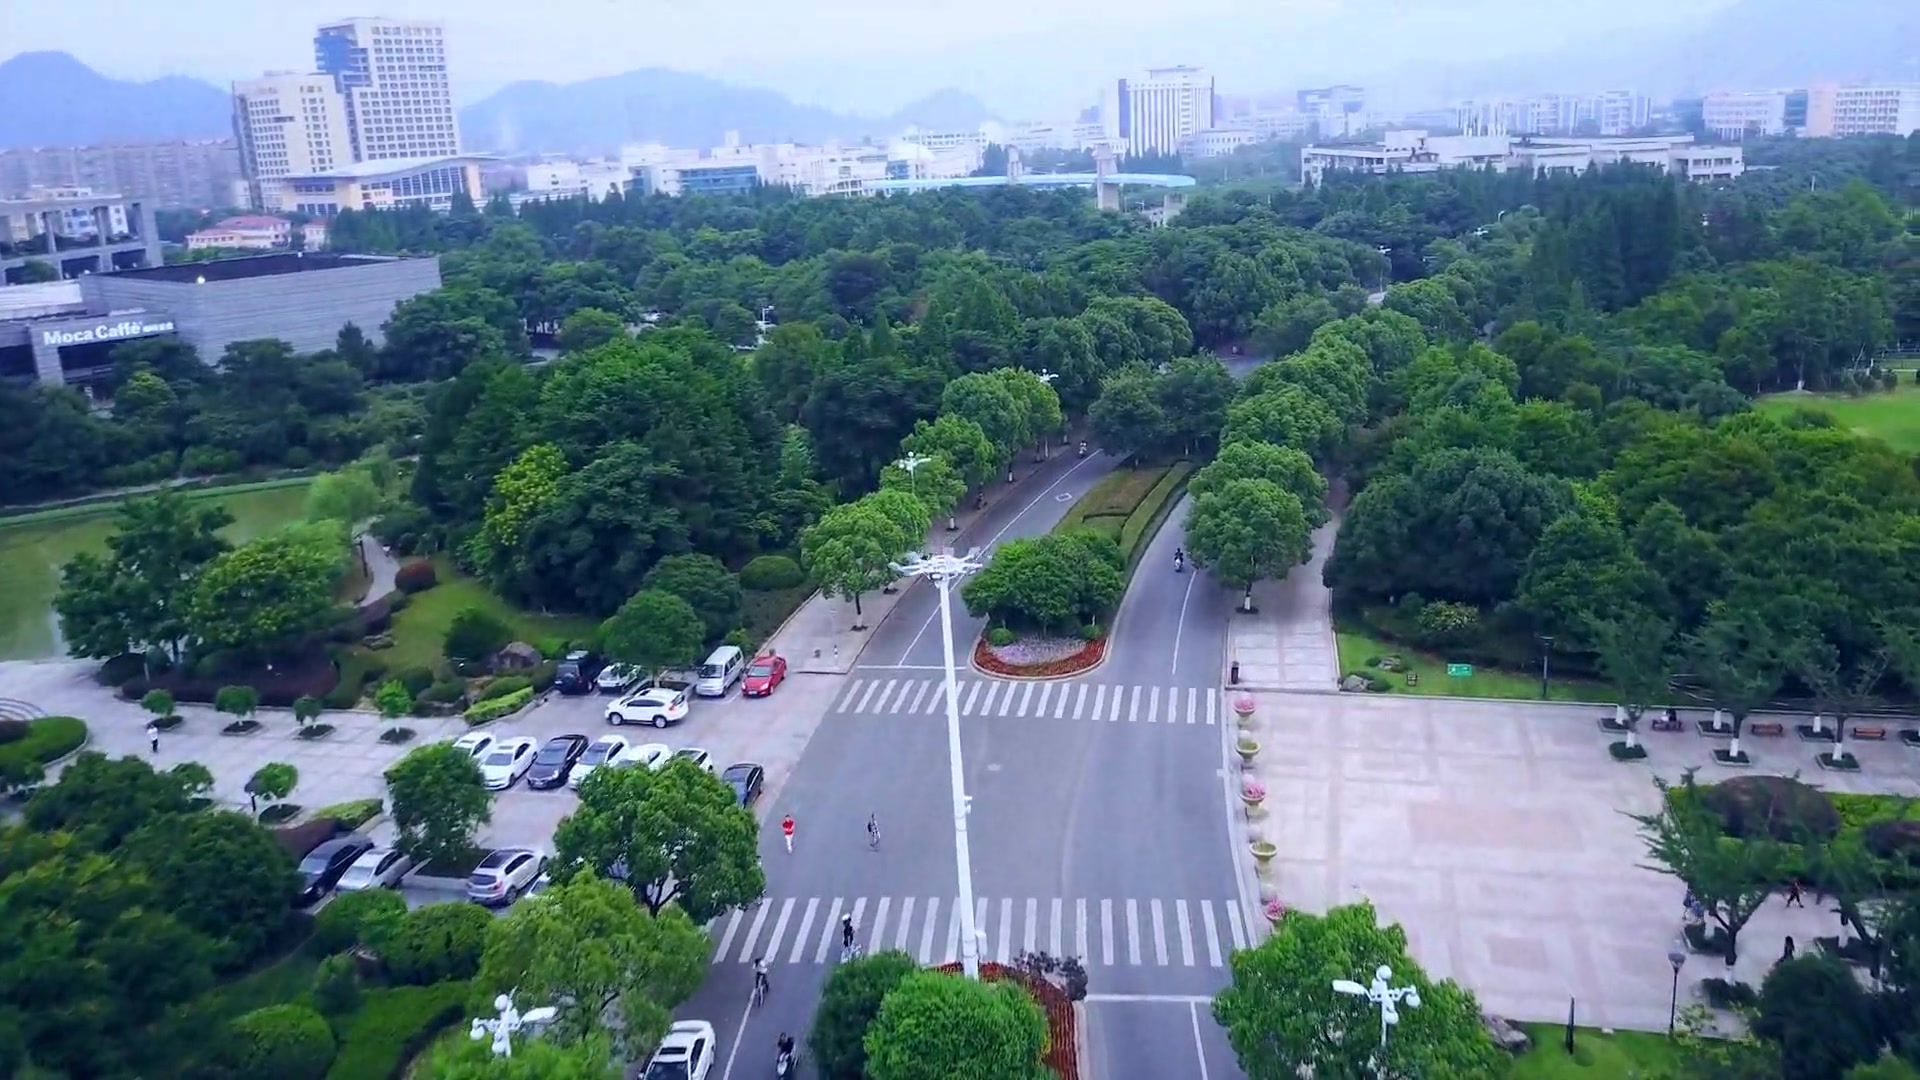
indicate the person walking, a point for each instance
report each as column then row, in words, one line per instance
column 153, row 736
column 786, row 830
column 1793, row 894
column 1786, row 953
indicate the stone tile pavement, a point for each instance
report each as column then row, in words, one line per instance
column 1496, row 834
column 1288, row 643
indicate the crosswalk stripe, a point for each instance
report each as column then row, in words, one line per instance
column 1193, row 704
column 993, row 697
column 1113, row 710
column 877, row 939
column 887, row 696
column 1106, row 932
column 953, row 932
column 859, row 910
column 1153, row 706
column 973, row 691
column 851, row 690
column 779, row 930
column 1099, row 701
column 1186, row 932
column 1033, row 925
column 1080, row 927
column 726, row 937
column 1060, row 707
column 1159, row 934
column 828, row 932
column 872, row 686
column 1046, row 691
column 1026, row 696
column 1213, row 941
column 1079, row 702
column 753, row 932
column 800, row 935
column 926, row 935
column 1053, row 942
column 1233, row 923
column 1133, row 933
column 937, row 701
column 1006, row 929
column 1133, row 706
column 1213, row 702
column 906, row 924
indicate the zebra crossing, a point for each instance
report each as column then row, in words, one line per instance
column 1102, row 933
column 1037, row 700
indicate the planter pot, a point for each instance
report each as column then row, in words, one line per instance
column 1263, row 851
column 1243, row 707
column 1251, row 801
column 1246, row 749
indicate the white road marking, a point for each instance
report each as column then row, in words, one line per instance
column 1233, row 924
column 1213, row 933
column 828, row 932
column 1181, row 624
column 1033, row 924
column 753, row 932
column 779, row 932
column 953, row 933
column 1106, row 932
column 1159, row 934
column 1025, row 697
column 1186, row 932
column 919, row 693
column 733, row 927
column 1006, row 930
column 1200, row 1051
column 875, row 937
column 1053, row 936
column 906, row 924
column 1133, row 933
column 852, row 689
column 800, row 935
column 926, row 935
column 868, row 696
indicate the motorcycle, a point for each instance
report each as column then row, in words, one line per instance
column 1083, row 449
column 783, row 1065
column 1179, row 564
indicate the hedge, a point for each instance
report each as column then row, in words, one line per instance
column 47, row 739
column 351, row 814
column 416, row 576
column 394, row 1025
column 495, row 708
column 770, row 573
column 1862, row 816
column 311, row 673
column 504, row 685
column 358, row 670
column 1154, row 508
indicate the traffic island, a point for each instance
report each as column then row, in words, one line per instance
column 1062, row 1056
column 1038, row 658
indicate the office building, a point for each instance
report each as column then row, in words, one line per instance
column 1416, row 151
column 76, row 231
column 392, row 75
column 1338, row 112
column 432, row 182
column 1155, row 113
column 171, row 175
column 1739, row 114
column 288, row 124
column 1842, row 111
column 1621, row 112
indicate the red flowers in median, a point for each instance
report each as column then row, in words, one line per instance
column 1087, row 657
column 1062, row 1054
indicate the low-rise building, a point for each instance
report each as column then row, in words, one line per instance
column 1417, row 151
column 382, row 185
column 250, row 232
column 76, row 231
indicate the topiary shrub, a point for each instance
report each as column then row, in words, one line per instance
column 435, row 943
column 1000, row 637
column 356, row 918
column 336, row 987
column 1778, row 807
column 416, row 679
column 444, row 693
column 416, row 576
column 769, row 573
column 286, row 1042
column 475, row 635
column 1443, row 622
column 504, row 685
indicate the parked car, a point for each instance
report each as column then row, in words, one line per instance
column 696, row 755
column 746, row 778
column 617, row 677
column 763, row 675
column 605, row 750
column 475, row 743
column 651, row 755
column 657, row 706
column 323, row 865
column 554, row 762
column 505, row 874
column 507, row 762
column 377, row 868
column 577, row 672
column 686, row 1053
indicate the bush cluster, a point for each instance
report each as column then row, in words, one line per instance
column 504, row 685
column 308, row 673
column 393, row 1025
column 436, row 943
column 770, row 573
column 416, row 576
column 493, row 709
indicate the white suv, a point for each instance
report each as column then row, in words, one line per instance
column 655, row 705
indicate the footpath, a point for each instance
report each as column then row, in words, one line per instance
column 1287, row 644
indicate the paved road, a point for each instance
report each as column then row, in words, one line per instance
column 1171, row 627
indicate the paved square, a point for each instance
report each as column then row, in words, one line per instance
column 1496, row 834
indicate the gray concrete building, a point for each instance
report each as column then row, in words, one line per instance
column 76, row 231
column 178, row 175
column 300, row 298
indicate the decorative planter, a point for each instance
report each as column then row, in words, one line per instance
column 1246, row 748
column 241, row 727
column 1253, row 793
column 315, row 731
column 1243, row 707
column 1263, row 852
column 1274, row 910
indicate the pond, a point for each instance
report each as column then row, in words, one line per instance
column 31, row 556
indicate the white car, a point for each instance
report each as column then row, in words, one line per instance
column 655, row 705
column 651, row 755
column 605, row 750
column 475, row 743
column 507, row 761
column 617, row 677
column 686, row 1053
column 380, row 868
column 696, row 755
column 505, row 874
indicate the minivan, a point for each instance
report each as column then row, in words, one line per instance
column 722, row 669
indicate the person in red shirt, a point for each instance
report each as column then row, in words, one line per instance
column 786, row 829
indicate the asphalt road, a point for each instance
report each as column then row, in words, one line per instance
column 1172, row 626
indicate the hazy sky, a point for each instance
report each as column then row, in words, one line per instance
column 1025, row 58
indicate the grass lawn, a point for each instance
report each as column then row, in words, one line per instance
column 420, row 629
column 1892, row 417
column 1624, row 1055
column 1356, row 648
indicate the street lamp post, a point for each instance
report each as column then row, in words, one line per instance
column 1677, row 957
column 911, row 463
column 944, row 569
column 1385, row 996
column 509, row 1023
column 1546, row 649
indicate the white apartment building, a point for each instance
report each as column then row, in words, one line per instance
column 1619, row 112
column 288, row 124
column 1338, row 112
column 1416, row 151
column 1734, row 115
column 1156, row 113
column 393, row 75
column 1841, row 111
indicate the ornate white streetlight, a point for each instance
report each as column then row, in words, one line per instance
column 508, row 1024
column 911, row 463
column 944, row 569
column 1387, row 997
column 1047, row 377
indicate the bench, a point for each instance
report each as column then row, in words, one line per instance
column 1870, row 734
column 1766, row 727
column 1663, row 724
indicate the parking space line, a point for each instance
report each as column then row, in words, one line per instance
column 800, row 935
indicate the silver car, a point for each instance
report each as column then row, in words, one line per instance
column 380, row 868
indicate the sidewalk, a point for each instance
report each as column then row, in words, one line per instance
column 1288, row 643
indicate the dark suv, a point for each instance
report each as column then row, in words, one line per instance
column 576, row 672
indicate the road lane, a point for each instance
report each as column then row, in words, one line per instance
column 1171, row 627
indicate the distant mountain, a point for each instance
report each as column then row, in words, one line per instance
column 55, row 100
column 679, row 109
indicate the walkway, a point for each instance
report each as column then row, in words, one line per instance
column 1288, row 643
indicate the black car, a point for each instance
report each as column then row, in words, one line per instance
column 576, row 672
column 322, row 867
column 555, row 761
column 746, row 778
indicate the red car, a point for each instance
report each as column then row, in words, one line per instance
column 765, row 673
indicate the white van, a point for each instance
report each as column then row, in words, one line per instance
column 721, row 671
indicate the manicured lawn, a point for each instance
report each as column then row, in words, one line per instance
column 1356, row 648
column 1624, row 1055
column 1892, row 417
column 420, row 629
column 34, row 547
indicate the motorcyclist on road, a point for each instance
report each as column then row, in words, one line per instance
column 1179, row 558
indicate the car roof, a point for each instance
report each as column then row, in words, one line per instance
column 611, row 740
column 373, row 854
column 512, row 741
column 739, row 767
column 502, row 856
column 691, row 752
column 680, row 1036
column 338, row 842
column 473, row 737
column 568, row 738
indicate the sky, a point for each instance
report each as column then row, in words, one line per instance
column 1024, row 59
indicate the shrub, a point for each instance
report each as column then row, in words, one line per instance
column 309, row 672
column 494, row 709
column 12, row 731
column 416, row 576
column 356, row 918
column 848, row 1004
column 336, row 988
column 436, row 943
column 771, row 573
column 1000, row 637
column 504, row 685
column 475, row 635
column 393, row 1026
column 1772, row 806
column 351, row 814
column 416, row 679
column 1444, row 622
column 543, row 676
column 445, row 692
column 119, row 669
column 1722, row 994
column 1084, row 660
column 1896, row 841
column 1090, row 632
column 45, row 739
column 286, row 1042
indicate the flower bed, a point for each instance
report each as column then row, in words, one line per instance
column 1087, row 657
column 1063, row 1043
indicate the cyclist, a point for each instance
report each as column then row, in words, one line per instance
column 873, row 831
column 846, row 931
column 761, row 986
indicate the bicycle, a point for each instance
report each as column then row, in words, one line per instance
column 760, row 983
column 850, row 953
column 873, row 835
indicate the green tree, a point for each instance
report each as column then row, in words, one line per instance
column 1815, row 1010
column 290, row 1041
column 1194, row 394
column 1634, row 650
column 1583, row 571
column 1742, row 653
column 437, row 800
column 533, row 1058
column 357, row 918
column 1287, row 416
column 158, row 702
column 848, row 1005
column 104, row 800
column 1038, row 403
column 349, row 497
column 238, row 702
column 434, row 943
column 654, row 631
column 137, row 596
column 1248, row 531
column 475, row 634
column 336, row 988
column 936, row 1026
column 1056, row 581
column 677, row 836
column 933, row 481
column 1290, row 469
column 704, row 583
column 273, row 781
column 1284, row 1021
column 1127, row 417
column 960, row 441
column 852, row 549
column 1730, row 878
column 393, row 699
column 525, row 488
column 243, row 905
column 587, row 948
column 270, row 593
column 989, row 402
column 589, row 328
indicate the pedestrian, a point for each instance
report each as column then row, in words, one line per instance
column 1687, row 903
column 1786, row 953
column 153, row 736
column 1793, row 894
column 786, row 829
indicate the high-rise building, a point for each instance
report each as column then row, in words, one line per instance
column 393, row 76
column 170, row 175
column 1621, row 112
column 1155, row 114
column 1340, row 112
column 288, row 125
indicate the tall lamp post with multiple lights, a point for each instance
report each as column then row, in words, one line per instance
column 1387, row 997
column 944, row 569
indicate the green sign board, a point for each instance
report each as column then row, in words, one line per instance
column 1460, row 671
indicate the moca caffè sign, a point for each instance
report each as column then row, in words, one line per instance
column 113, row 331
